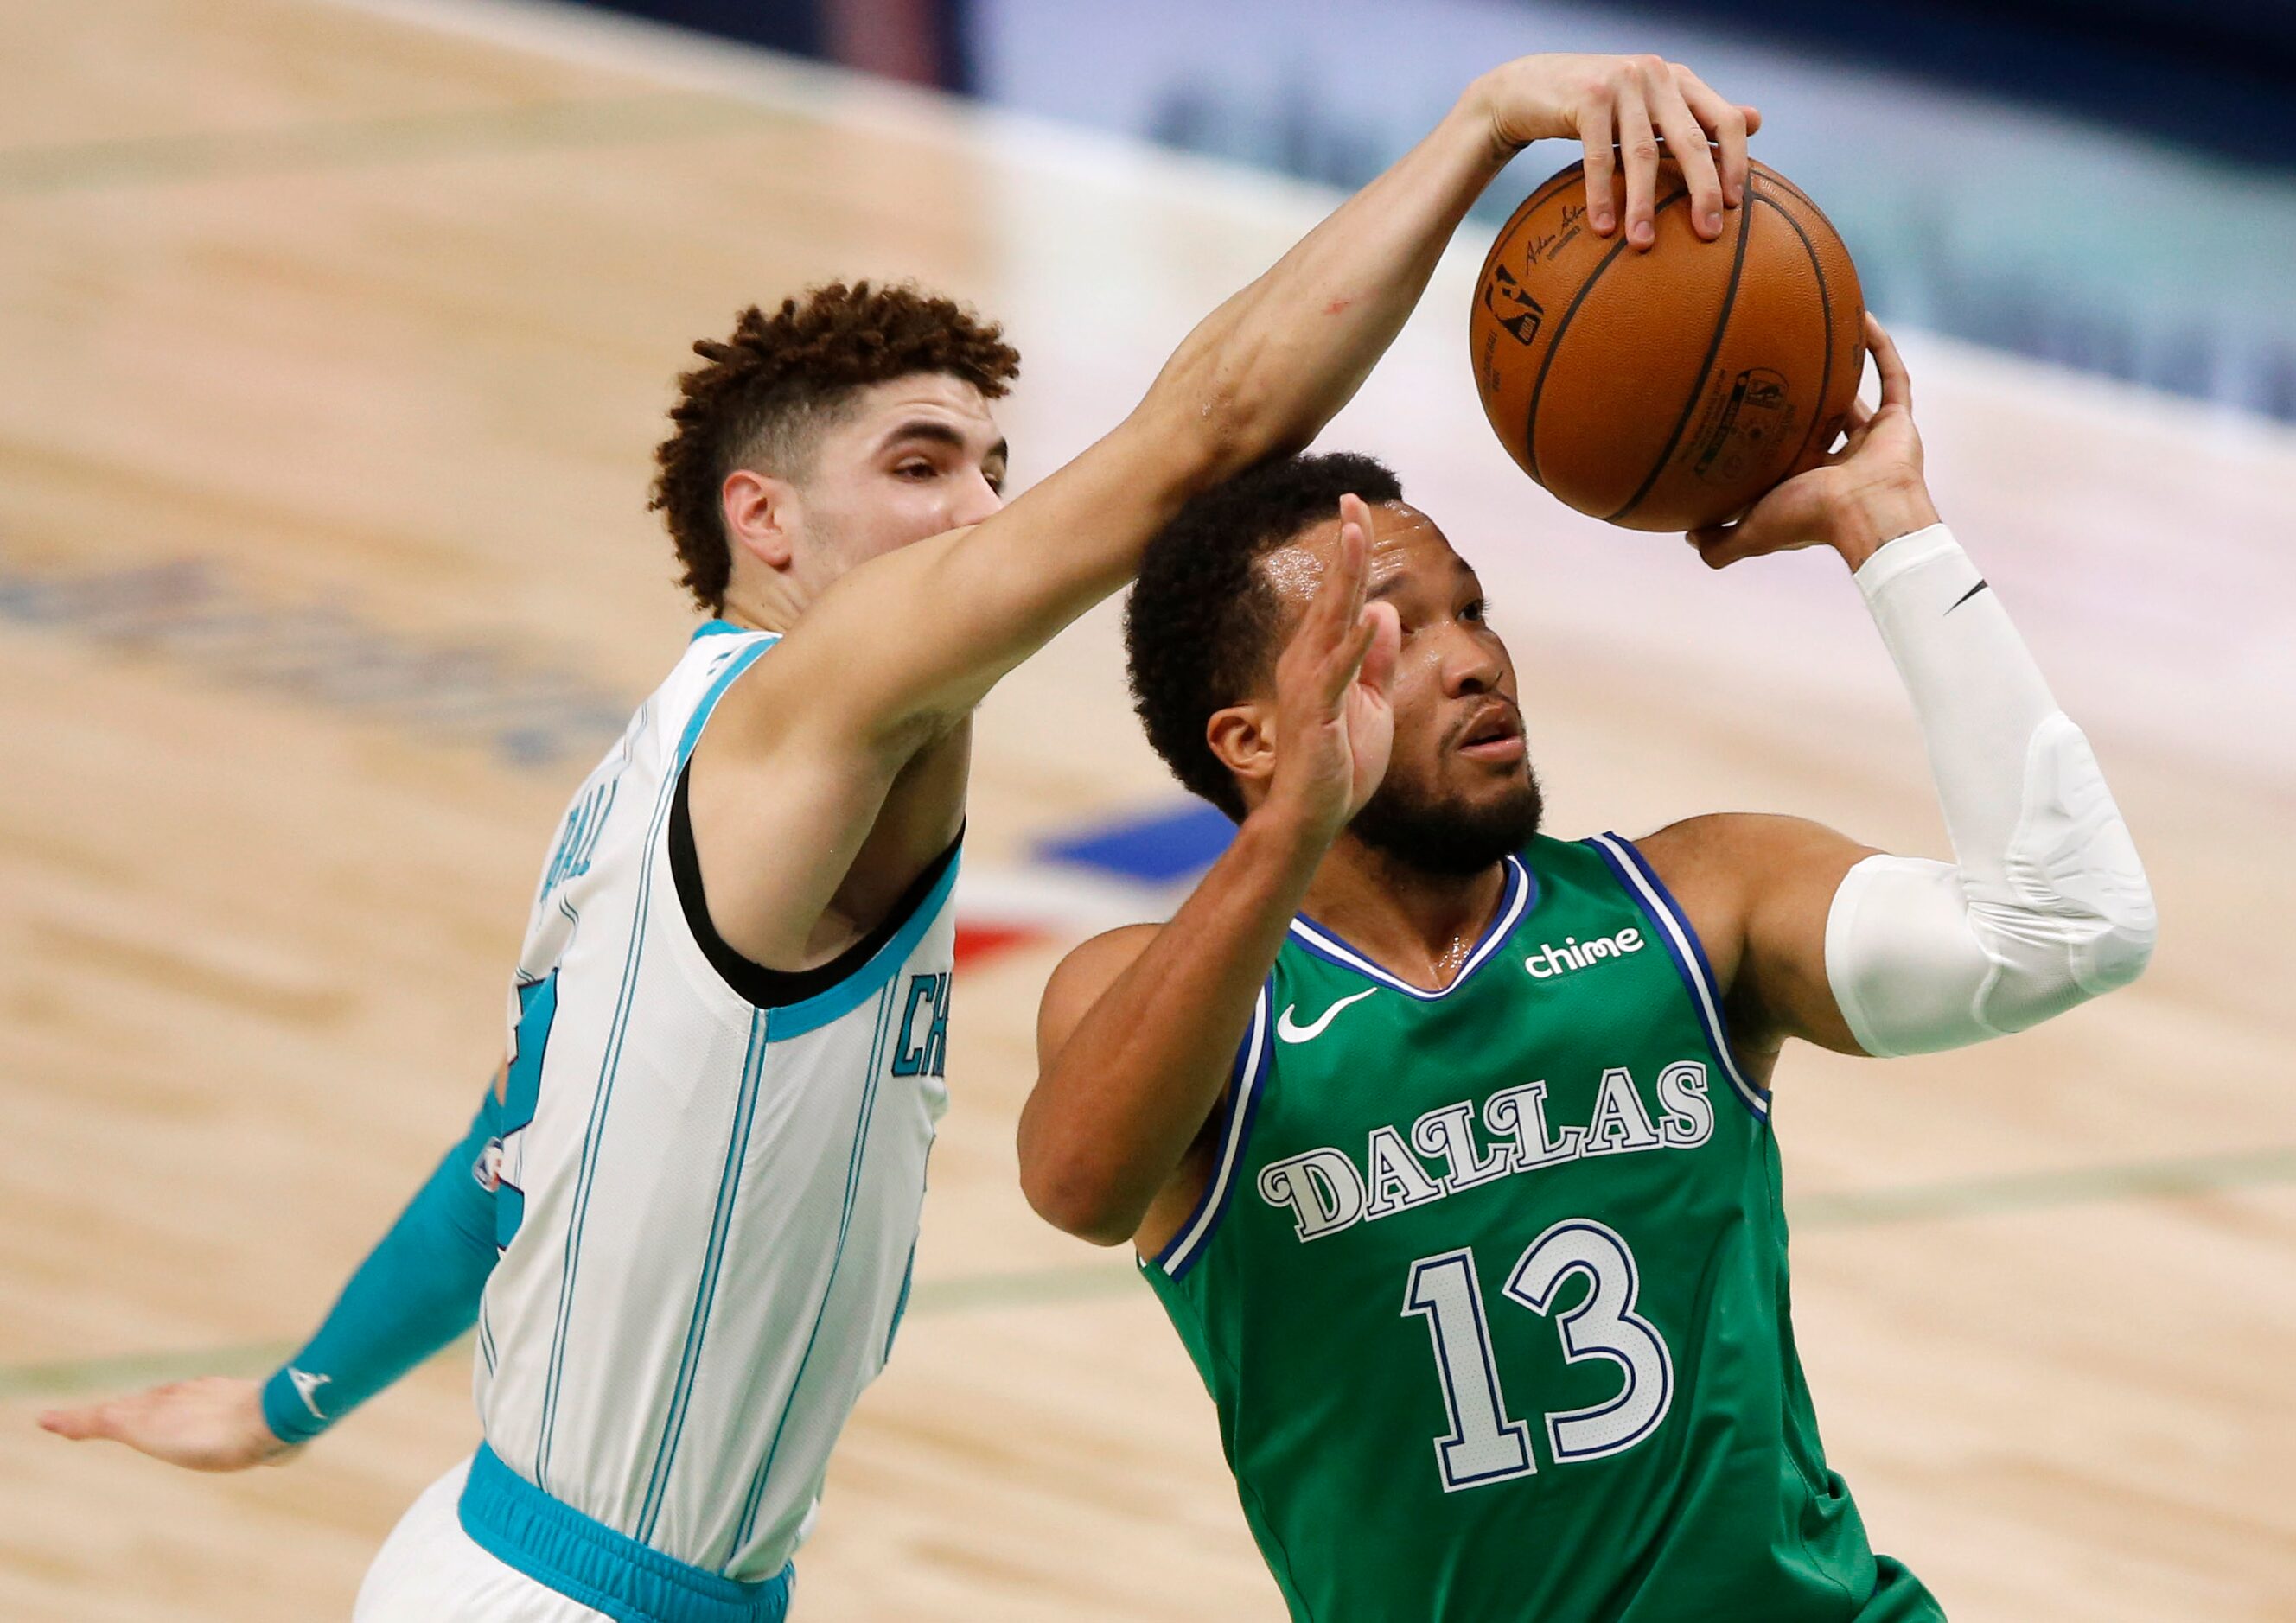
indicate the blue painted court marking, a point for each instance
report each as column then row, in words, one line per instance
column 2197, row 1175
column 1155, row 850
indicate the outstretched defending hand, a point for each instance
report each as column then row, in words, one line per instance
column 1334, row 724
column 1869, row 492
column 1620, row 107
column 212, row 1423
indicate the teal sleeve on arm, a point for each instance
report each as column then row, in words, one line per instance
column 416, row 1292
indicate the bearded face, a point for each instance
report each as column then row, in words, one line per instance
column 1449, row 831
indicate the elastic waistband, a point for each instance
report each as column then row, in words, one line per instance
column 584, row 1560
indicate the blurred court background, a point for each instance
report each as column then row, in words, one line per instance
column 334, row 339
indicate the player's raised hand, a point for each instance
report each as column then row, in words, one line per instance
column 212, row 1423
column 1868, row 491
column 1621, row 107
column 1334, row 723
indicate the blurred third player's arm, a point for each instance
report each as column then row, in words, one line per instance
column 416, row 1293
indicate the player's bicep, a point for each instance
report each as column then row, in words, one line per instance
column 1759, row 890
column 1795, row 871
column 918, row 636
column 1079, row 981
column 1082, row 979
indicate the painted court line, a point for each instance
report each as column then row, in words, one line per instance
column 1084, row 1282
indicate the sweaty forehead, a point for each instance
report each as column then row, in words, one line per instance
column 1407, row 546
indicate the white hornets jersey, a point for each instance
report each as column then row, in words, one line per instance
column 707, row 1200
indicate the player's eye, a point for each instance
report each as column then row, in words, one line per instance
column 1477, row 611
column 916, row 470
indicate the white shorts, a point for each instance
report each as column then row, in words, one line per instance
column 429, row 1571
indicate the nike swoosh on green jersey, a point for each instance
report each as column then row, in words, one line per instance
column 1291, row 1033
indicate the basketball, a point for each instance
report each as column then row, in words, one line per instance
column 1666, row 389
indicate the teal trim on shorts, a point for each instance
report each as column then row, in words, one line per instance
column 584, row 1560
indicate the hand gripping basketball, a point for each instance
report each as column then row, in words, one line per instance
column 1334, row 724
column 1620, row 107
column 1867, row 492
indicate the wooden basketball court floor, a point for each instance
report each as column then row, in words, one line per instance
column 361, row 322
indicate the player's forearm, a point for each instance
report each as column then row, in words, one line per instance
column 1119, row 1105
column 417, row 1291
column 1265, row 371
column 2047, row 905
column 1260, row 375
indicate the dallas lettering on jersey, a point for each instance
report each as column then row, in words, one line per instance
column 1326, row 1191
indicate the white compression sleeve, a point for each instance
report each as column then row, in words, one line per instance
column 2048, row 906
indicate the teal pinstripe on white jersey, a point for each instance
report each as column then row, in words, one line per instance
column 708, row 1209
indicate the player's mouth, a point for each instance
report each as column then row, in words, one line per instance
column 1494, row 733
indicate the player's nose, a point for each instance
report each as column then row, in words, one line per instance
column 978, row 500
column 1471, row 664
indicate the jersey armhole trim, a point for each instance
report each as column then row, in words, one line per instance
column 1254, row 1059
column 799, row 997
column 1681, row 945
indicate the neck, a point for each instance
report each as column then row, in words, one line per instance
column 772, row 606
column 1419, row 927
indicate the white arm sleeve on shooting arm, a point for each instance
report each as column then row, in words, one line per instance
column 2048, row 906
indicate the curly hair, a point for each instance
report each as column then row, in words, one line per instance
column 1197, row 627
column 764, row 393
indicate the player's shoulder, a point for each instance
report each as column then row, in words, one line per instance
column 1090, row 969
column 1104, row 957
column 1729, row 840
column 1722, row 866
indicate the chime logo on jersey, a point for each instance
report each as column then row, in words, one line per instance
column 1327, row 1190
column 1548, row 960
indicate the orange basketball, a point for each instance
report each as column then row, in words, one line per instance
column 1668, row 389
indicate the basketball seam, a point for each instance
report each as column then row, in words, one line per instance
column 1826, row 318
column 1562, row 327
column 1771, row 177
column 1698, row 389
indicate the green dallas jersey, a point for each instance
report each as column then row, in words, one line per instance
column 1489, row 1285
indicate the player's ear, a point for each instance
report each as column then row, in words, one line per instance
column 1242, row 738
column 760, row 514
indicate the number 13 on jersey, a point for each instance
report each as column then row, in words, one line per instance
column 1484, row 1445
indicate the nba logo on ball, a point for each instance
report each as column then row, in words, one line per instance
column 1671, row 387
column 1522, row 314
